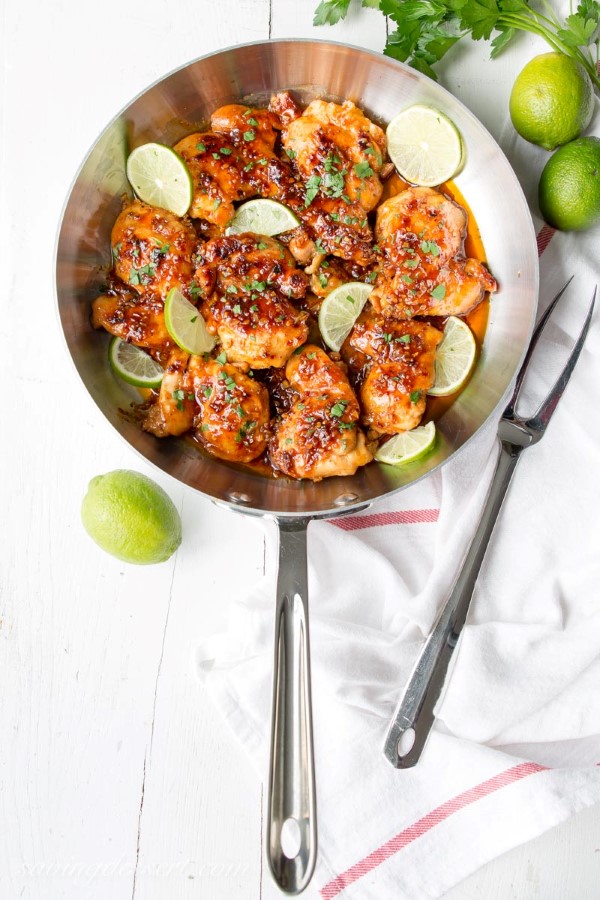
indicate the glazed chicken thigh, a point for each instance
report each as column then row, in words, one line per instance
column 247, row 281
column 394, row 361
column 152, row 249
column 320, row 435
column 422, row 271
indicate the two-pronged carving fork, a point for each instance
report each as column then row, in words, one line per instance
column 414, row 715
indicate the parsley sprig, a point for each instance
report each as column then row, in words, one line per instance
column 427, row 29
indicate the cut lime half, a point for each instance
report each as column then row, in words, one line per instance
column 186, row 325
column 134, row 365
column 408, row 446
column 454, row 358
column 340, row 310
column 160, row 178
column 262, row 217
column 425, row 146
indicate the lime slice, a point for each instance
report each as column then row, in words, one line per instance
column 186, row 325
column 424, row 145
column 408, row 446
column 340, row 310
column 262, row 217
column 133, row 364
column 160, row 178
column 454, row 358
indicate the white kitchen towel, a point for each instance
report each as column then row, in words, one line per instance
column 516, row 746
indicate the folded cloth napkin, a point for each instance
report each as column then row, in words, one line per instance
column 516, row 745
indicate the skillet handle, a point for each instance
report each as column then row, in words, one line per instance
column 291, row 777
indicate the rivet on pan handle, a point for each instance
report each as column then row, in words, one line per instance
column 291, row 801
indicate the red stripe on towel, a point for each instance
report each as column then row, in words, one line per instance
column 544, row 238
column 400, row 517
column 440, row 814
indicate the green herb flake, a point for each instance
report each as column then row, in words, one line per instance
column 439, row 292
column 404, row 339
column 225, row 151
column 319, row 247
column 222, row 358
column 207, row 390
column 249, row 135
column 291, row 153
column 363, row 169
column 193, row 319
column 323, row 280
column 201, row 148
column 312, row 189
column 415, row 396
column 262, row 246
column 339, row 408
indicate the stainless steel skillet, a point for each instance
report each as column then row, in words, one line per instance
column 166, row 111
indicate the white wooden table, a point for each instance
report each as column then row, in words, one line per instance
column 119, row 779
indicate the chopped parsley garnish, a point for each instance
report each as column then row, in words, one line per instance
column 179, row 396
column 237, row 309
column 439, row 292
column 222, row 358
column 404, row 339
column 339, row 408
column 311, row 355
column 319, row 247
column 253, row 122
column 323, row 280
column 249, row 135
column 141, row 275
column 262, row 246
column 415, row 396
column 231, row 289
column 217, row 203
column 193, row 319
column 387, row 338
column 370, row 278
column 363, row 169
column 116, row 250
column 291, row 154
column 407, row 279
column 312, row 189
column 430, row 247
column 195, row 290
column 226, row 151
column 207, row 390
column 201, row 147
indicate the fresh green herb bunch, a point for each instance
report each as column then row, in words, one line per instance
column 427, row 29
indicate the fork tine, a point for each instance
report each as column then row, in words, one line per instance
column 508, row 412
column 539, row 421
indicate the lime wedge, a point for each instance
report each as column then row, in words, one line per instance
column 424, row 145
column 160, row 178
column 340, row 310
column 408, row 446
column 186, row 325
column 262, row 217
column 133, row 365
column 454, row 358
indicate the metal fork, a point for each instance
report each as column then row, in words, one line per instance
column 414, row 715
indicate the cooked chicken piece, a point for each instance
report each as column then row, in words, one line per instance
column 232, row 422
column 247, row 279
column 217, row 171
column 300, row 244
column 422, row 270
column 246, row 124
column 284, row 106
column 395, row 365
column 340, row 229
column 418, row 216
column 259, row 329
column 152, row 249
column 320, row 436
column 452, row 290
column 127, row 317
column 330, row 275
column 173, row 412
column 337, row 151
column 248, row 264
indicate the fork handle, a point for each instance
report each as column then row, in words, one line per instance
column 415, row 711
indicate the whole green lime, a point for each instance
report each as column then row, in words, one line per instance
column 552, row 100
column 131, row 517
column 569, row 190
